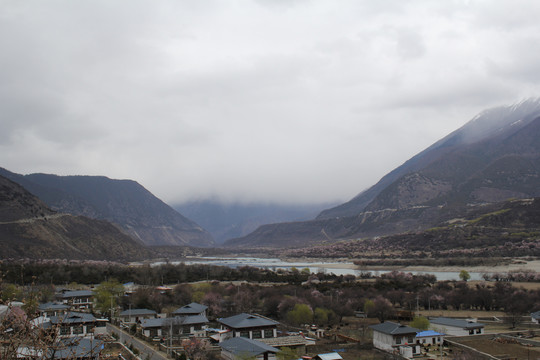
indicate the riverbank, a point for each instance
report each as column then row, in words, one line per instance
column 514, row 265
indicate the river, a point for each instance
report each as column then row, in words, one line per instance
column 338, row 268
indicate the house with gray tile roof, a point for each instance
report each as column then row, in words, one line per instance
column 67, row 348
column 78, row 348
column 152, row 328
column 240, row 348
column 52, row 309
column 73, row 324
column 78, row 300
column 249, row 326
column 191, row 309
column 181, row 326
column 132, row 316
column 456, row 327
column 390, row 336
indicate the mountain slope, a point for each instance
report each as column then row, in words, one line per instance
column 494, row 157
column 29, row 229
column 493, row 123
column 123, row 202
column 501, row 230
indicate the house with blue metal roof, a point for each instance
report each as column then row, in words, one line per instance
column 390, row 336
column 429, row 337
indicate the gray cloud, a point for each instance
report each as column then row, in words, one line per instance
column 301, row 101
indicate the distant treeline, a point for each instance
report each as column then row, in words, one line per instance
column 95, row 272
column 457, row 261
column 300, row 299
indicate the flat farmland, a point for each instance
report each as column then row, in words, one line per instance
column 502, row 348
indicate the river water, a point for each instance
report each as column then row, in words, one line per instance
column 342, row 268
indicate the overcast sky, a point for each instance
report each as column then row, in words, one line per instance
column 263, row 100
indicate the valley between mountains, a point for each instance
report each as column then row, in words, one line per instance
column 470, row 199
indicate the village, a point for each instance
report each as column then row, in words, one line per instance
column 81, row 329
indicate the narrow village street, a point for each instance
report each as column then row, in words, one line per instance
column 146, row 351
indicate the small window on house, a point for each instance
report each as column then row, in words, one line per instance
column 244, row 334
column 471, row 332
column 65, row 330
column 398, row 340
column 478, row 331
column 268, row 333
column 410, row 340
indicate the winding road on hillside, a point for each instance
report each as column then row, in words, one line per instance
column 34, row 219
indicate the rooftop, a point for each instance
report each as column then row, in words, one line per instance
column 244, row 320
column 52, row 306
column 77, row 293
column 193, row 308
column 294, row 340
column 244, row 346
column 428, row 333
column 77, row 348
column 392, row 328
column 329, row 356
column 460, row 323
column 136, row 312
column 180, row 320
column 73, row 318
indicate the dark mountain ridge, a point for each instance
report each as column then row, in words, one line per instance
column 30, row 230
column 123, row 202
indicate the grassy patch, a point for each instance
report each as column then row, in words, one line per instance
column 495, row 213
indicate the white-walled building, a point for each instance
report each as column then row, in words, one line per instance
column 456, row 327
column 181, row 326
column 133, row 316
column 391, row 337
column 249, row 326
column 75, row 324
